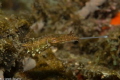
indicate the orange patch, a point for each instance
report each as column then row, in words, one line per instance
column 116, row 20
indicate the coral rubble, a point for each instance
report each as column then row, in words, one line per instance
column 37, row 42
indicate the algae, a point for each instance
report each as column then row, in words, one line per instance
column 60, row 56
